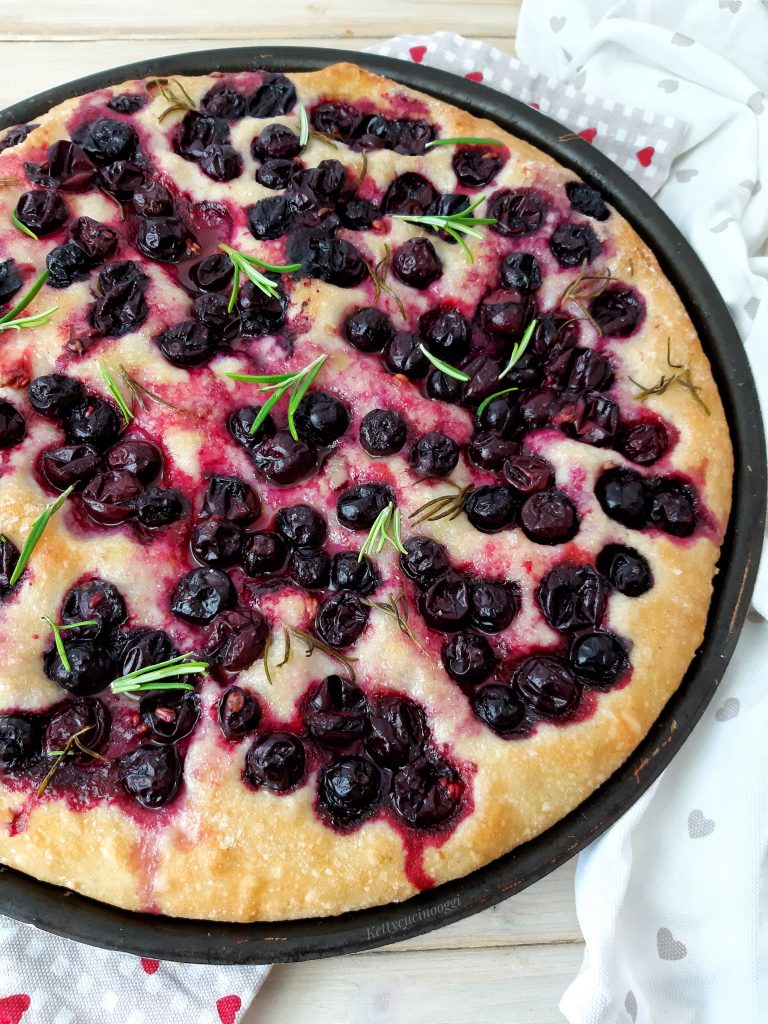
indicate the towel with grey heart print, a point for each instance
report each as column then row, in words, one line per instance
column 643, row 140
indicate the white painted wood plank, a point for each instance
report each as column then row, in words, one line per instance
column 495, row 986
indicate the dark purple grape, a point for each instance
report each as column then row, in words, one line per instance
column 232, row 499
column 411, row 136
column 301, row 526
column 235, row 639
column 42, row 211
column 309, row 568
column 334, row 260
column 447, row 206
column 468, row 659
column 66, row 167
column 122, row 306
column 198, row 131
column 358, row 507
column 598, row 658
column 572, row 597
column 71, row 464
column 212, row 274
column 160, row 506
column 624, row 496
column 445, row 332
column 368, row 329
column 493, row 604
column 165, row 239
column 341, row 619
column 506, row 312
column 548, row 685
column 443, row 388
column 10, row 280
column 555, row 333
column 357, row 214
column 268, row 218
column 9, row 556
column 275, row 761
column 277, row 174
column 107, row 139
column 350, row 572
column 382, row 432
column 94, row 599
column 475, row 167
column 625, row 569
column 528, row 474
column 142, row 458
column 416, row 264
column 445, row 605
column 20, row 740
column 127, row 103
column 284, row 461
column 518, row 212
column 433, row 455
column 501, row 415
column 15, row 136
column 520, row 270
column 573, row 244
column 643, row 443
column 221, row 162
column 151, row 774
column 91, row 667
column 86, row 716
column 12, row 425
column 334, row 118
column 260, row 313
column 170, row 715
column 264, row 553
column 588, row 371
column 426, row 793
column 673, row 508
column 409, row 194
column 595, row 419
column 373, row 131
column 238, row 713
column 587, row 200
column 122, row 179
column 239, row 424
column 349, row 789
column 336, row 713
column 402, row 354
column 275, row 96
column 154, row 200
column 201, row 595
column 217, row 542
column 424, row 561
column 97, row 241
column 144, row 647
column 110, row 497
column 500, row 708
column 223, row 102
column 491, row 508
column 549, row 517
column 617, row 311
column 322, row 418
column 484, row 373
column 542, row 408
column 489, row 450
column 276, row 141
column 397, row 732
column 188, row 343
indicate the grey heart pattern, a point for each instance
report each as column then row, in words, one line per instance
column 729, row 709
column 669, row 948
column 678, row 39
column 630, row 1005
column 755, row 102
column 734, row 6
column 557, row 23
column 699, row 826
column 669, row 85
column 568, row 56
column 686, row 174
column 722, row 225
column 751, row 307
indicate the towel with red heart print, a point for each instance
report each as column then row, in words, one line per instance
column 642, row 141
column 45, row 979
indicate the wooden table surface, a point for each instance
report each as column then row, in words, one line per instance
column 510, row 964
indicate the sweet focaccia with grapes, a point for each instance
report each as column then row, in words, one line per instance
column 271, row 663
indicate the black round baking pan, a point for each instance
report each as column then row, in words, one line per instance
column 77, row 917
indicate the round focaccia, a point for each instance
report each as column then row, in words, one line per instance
column 362, row 484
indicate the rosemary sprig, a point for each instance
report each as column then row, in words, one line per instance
column 585, row 287
column 312, row 643
column 397, row 608
column 22, row 227
column 279, row 383
column 11, row 321
column 454, row 224
column 378, row 274
column 463, row 141
column 114, row 390
column 487, row 401
column 447, row 506
column 683, row 379
column 61, row 754
column 36, row 532
column 303, row 127
column 268, row 650
column 154, row 677
column 446, row 368
column 519, row 348
column 386, row 529
column 26, row 299
column 58, row 630
column 246, row 264
column 139, row 393
column 363, row 169
column 174, row 93
column 9, row 182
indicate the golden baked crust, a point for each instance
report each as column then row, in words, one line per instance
column 224, row 851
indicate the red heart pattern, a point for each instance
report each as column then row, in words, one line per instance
column 588, row 134
column 13, row 1008
column 150, row 966
column 645, row 156
column 417, row 53
column 474, row 76
column 228, row 1007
